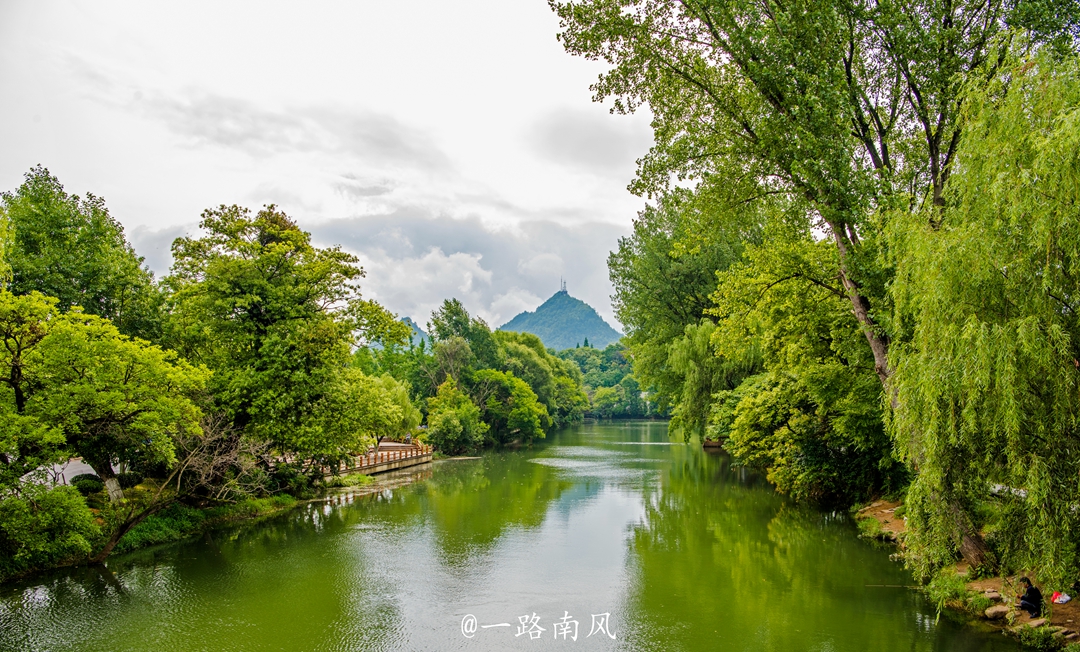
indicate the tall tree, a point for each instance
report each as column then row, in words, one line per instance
column 987, row 380
column 69, row 247
column 852, row 107
column 274, row 317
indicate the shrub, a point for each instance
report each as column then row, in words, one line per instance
column 947, row 588
column 1039, row 638
column 454, row 425
column 353, row 480
column 174, row 522
column 44, row 527
column 870, row 528
column 87, row 483
column 287, row 478
column 129, row 480
column 179, row 521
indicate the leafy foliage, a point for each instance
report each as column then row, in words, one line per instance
column 509, row 406
column 42, row 527
column 454, row 425
column 986, row 381
column 69, row 247
column 274, row 318
column 73, row 383
column 608, row 377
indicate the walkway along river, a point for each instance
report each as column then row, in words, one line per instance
column 610, row 532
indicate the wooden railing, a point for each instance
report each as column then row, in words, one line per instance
column 375, row 458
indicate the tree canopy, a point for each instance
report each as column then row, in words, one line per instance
column 69, row 247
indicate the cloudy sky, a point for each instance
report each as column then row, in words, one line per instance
column 453, row 146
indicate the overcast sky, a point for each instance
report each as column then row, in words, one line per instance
column 453, row 146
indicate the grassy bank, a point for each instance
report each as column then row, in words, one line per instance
column 985, row 599
column 180, row 521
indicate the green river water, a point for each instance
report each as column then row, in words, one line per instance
column 680, row 550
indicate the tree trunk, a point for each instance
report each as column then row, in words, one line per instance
column 116, row 493
column 972, row 546
column 860, row 307
column 126, row 527
column 104, row 470
column 974, row 550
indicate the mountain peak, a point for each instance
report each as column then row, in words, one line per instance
column 563, row 322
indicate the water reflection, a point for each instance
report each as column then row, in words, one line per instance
column 683, row 550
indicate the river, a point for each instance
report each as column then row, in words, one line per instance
column 612, row 532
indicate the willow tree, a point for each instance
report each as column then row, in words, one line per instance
column 851, row 106
column 851, row 109
column 987, row 385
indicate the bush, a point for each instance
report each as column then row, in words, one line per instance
column 289, row 479
column 87, row 483
column 44, row 527
column 870, row 528
column 818, row 437
column 454, row 425
column 353, row 480
column 129, row 480
column 1039, row 638
column 171, row 524
column 179, row 521
column 947, row 589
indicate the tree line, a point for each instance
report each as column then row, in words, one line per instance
column 254, row 368
column 857, row 263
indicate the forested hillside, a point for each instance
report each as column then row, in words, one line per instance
column 563, row 322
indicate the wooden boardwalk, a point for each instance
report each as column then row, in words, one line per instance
column 389, row 457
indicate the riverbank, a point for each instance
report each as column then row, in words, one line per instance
column 989, row 601
column 180, row 522
column 622, row 519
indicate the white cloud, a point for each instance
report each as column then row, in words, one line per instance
column 458, row 159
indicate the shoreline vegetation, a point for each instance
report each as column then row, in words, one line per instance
column 865, row 279
column 180, row 522
column 236, row 383
column 980, row 600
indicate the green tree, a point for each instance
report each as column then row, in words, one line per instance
column 275, row 317
column 610, row 370
column 454, row 425
column 664, row 275
column 69, row 247
column 74, row 384
column 452, row 320
column 848, row 112
column 987, row 378
column 509, row 406
column 814, row 421
column 606, row 401
column 557, row 384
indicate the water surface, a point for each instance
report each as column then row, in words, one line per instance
column 680, row 550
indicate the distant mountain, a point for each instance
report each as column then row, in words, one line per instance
column 417, row 333
column 563, row 322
